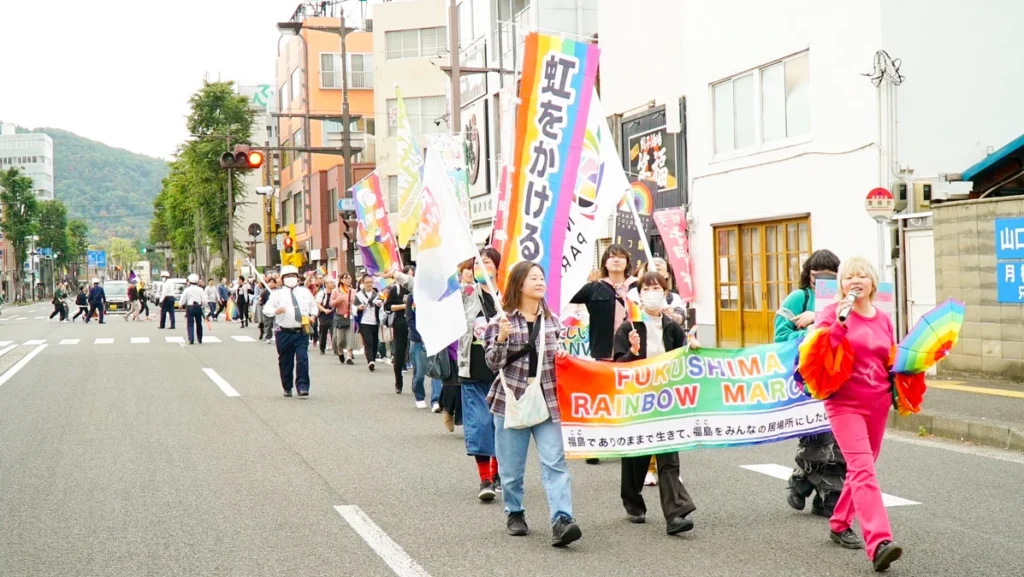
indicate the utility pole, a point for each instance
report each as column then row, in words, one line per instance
column 453, row 49
column 346, row 149
column 231, row 221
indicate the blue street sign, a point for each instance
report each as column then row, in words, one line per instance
column 97, row 258
column 347, row 204
column 47, row 251
column 1010, row 281
column 1009, row 238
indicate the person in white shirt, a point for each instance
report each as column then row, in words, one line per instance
column 211, row 298
column 166, row 300
column 193, row 299
column 292, row 307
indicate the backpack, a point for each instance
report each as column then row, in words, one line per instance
column 439, row 366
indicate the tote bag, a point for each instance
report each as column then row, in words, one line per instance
column 532, row 408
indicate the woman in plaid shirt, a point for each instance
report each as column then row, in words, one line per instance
column 509, row 347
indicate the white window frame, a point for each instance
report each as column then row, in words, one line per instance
column 759, row 143
column 393, row 200
column 330, row 79
column 421, row 123
column 392, row 52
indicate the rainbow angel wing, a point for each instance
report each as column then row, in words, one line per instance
column 822, row 369
column 931, row 338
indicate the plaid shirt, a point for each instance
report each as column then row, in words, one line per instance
column 516, row 374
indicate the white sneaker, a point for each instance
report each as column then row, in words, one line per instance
column 650, row 480
column 436, row 408
column 421, row 404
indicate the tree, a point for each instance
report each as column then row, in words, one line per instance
column 122, row 254
column 78, row 244
column 20, row 210
column 53, row 228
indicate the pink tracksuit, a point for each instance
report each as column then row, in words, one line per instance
column 858, row 412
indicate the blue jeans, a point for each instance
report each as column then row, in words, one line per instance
column 511, row 446
column 477, row 420
column 293, row 353
column 436, row 387
column 418, row 354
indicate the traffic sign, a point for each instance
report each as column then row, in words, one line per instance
column 347, row 204
column 97, row 258
column 255, row 229
column 880, row 204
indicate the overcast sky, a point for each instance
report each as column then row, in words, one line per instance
column 121, row 71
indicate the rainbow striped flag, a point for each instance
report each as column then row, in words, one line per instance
column 554, row 102
column 634, row 314
column 373, row 230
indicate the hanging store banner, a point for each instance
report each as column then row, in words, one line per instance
column 671, row 225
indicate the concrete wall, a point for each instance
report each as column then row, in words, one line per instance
column 965, row 260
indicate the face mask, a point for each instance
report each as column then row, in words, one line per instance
column 291, row 282
column 653, row 300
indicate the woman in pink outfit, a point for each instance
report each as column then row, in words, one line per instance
column 859, row 408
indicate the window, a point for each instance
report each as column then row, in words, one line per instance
column 298, row 139
column 423, row 42
column 393, row 207
column 332, row 210
column 296, row 85
column 360, row 70
column 284, row 211
column 332, row 130
column 286, row 155
column 766, row 105
column 298, row 209
column 426, row 115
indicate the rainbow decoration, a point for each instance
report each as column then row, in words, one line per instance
column 373, row 231
column 931, row 338
column 822, row 369
column 633, row 312
column 229, row 311
column 546, row 158
column 641, row 196
column 480, row 274
column 381, row 283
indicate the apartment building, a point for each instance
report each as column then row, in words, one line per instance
column 32, row 152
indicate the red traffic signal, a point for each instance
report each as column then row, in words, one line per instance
column 242, row 158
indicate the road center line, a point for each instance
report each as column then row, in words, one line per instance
column 782, row 472
column 220, row 382
column 385, row 547
column 20, row 364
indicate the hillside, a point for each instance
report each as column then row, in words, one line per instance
column 111, row 188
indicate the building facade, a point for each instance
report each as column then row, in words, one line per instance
column 251, row 208
column 309, row 98
column 33, row 153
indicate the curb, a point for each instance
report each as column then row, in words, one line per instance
column 960, row 429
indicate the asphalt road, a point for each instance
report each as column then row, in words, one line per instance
column 121, row 458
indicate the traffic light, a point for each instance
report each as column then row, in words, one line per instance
column 289, row 245
column 242, row 158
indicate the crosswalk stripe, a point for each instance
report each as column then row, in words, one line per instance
column 35, row 342
column 140, row 340
column 40, row 318
column 211, row 340
column 243, row 338
column 104, row 341
column 783, row 472
column 69, row 341
column 174, row 339
column 5, row 343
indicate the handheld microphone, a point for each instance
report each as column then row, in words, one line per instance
column 846, row 305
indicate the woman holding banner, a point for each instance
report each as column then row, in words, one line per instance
column 858, row 410
column 821, row 468
column 605, row 300
column 657, row 334
column 522, row 345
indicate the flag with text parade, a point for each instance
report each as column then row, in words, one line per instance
column 373, row 229
column 410, row 174
column 683, row 400
column 554, row 100
column 444, row 242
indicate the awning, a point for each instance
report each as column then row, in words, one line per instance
column 1015, row 146
column 481, row 234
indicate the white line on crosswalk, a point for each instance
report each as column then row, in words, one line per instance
column 5, row 343
column 20, row 364
column 15, row 318
column 386, row 548
column 40, row 318
column 140, row 340
column 209, row 339
column 69, row 341
column 7, row 349
column 782, row 472
column 104, row 341
column 175, row 339
column 35, row 342
column 243, row 338
column 220, row 382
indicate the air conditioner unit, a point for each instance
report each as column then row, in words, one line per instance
column 332, row 252
column 899, row 190
column 368, row 24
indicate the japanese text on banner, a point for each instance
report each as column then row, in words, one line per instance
column 671, row 225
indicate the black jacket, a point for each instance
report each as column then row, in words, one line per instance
column 599, row 298
column 396, row 297
column 672, row 336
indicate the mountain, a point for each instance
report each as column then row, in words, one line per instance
column 110, row 188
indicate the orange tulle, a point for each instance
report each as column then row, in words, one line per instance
column 823, row 369
column 909, row 393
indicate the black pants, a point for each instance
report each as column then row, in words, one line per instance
column 821, row 470
column 194, row 316
column 675, row 501
column 145, row 308
column 166, row 309
column 451, row 399
column 400, row 348
column 93, row 307
column 58, row 309
column 82, row 310
column 220, row 309
column 243, row 311
column 371, row 338
column 324, row 326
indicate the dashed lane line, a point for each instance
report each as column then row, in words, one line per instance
column 220, row 382
column 390, row 552
column 21, row 364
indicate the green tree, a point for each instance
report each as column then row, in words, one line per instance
column 122, row 253
column 20, row 211
column 78, row 244
column 53, row 229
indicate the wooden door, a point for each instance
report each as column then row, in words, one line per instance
column 727, row 287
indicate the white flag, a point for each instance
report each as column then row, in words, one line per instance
column 599, row 188
column 444, row 241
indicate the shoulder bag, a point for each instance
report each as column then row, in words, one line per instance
column 532, row 408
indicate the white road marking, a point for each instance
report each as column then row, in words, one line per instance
column 20, row 364
column 5, row 343
column 69, row 341
column 243, row 338
column 956, row 447
column 104, row 341
column 35, row 342
column 782, row 472
column 220, row 382
column 16, row 318
column 175, row 339
column 207, row 339
column 40, row 318
column 7, row 349
column 385, row 547
column 140, row 340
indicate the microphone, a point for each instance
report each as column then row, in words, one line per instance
column 846, row 305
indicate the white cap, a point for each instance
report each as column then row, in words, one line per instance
column 165, row 274
column 193, row 278
column 289, row 269
column 95, row 281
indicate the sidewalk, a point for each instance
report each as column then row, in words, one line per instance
column 971, row 409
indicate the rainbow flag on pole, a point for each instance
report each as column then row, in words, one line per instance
column 554, row 101
column 373, row 229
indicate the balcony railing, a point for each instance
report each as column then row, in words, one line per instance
column 359, row 80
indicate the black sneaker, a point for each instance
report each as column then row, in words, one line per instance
column 637, row 519
column 593, row 461
column 679, row 525
column 486, row 493
column 303, row 393
column 497, row 484
column 371, row 367
column 287, row 393
column 847, row 539
column 886, row 553
column 565, row 532
column 516, row 525
column 349, row 362
column 795, row 499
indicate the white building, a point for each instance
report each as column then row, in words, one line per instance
column 785, row 131
column 33, row 153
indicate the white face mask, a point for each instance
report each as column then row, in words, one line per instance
column 291, row 282
column 653, row 300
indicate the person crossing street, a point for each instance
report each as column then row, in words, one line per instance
column 292, row 307
column 193, row 299
column 166, row 300
column 97, row 301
